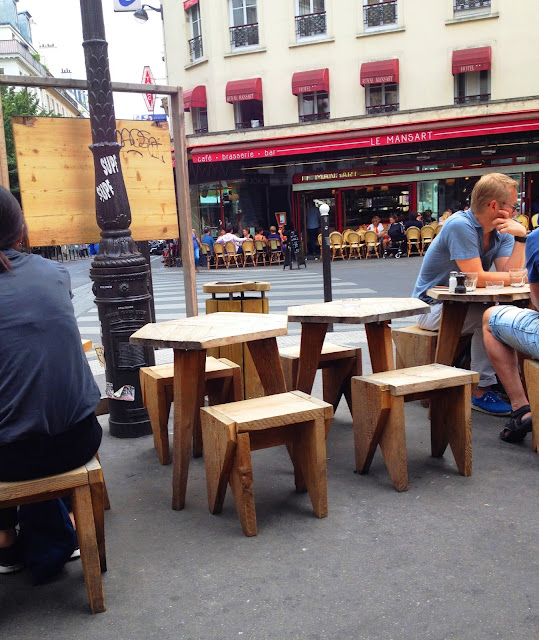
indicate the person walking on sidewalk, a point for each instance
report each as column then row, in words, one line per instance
column 474, row 241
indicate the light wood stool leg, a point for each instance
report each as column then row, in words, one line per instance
column 531, row 374
column 219, row 451
column 241, row 483
column 290, row 370
column 157, row 401
column 451, row 423
column 84, row 520
column 311, row 452
column 370, row 412
column 393, row 445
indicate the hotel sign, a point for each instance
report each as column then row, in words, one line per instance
column 273, row 149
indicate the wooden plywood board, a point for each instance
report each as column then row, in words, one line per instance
column 56, row 173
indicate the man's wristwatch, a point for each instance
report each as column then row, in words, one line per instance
column 521, row 239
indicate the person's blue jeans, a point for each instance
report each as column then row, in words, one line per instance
column 517, row 328
column 197, row 255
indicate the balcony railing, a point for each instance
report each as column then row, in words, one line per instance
column 481, row 97
column 202, row 130
column 313, row 117
column 195, row 48
column 380, row 15
column 382, row 108
column 16, row 48
column 248, row 124
column 311, row 24
column 245, row 35
column 466, row 5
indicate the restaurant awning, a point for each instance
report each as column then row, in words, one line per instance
column 195, row 98
column 239, row 90
column 308, row 81
column 469, row 60
column 380, row 71
column 188, row 4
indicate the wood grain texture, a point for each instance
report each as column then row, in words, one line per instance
column 213, row 330
column 310, row 448
column 12, row 491
column 220, row 442
column 503, row 295
column 312, row 341
column 56, row 173
column 451, row 323
column 241, row 483
column 380, row 346
column 235, row 287
column 429, row 377
column 357, row 310
column 531, row 374
column 414, row 346
column 265, row 356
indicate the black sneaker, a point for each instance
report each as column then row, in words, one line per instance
column 11, row 559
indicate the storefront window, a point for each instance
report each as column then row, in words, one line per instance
column 427, row 196
column 361, row 204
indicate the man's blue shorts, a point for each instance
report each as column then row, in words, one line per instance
column 517, row 328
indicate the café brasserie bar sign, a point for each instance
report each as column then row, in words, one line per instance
column 406, row 137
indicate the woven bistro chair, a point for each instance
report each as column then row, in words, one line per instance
column 354, row 245
column 346, row 242
column 413, row 238
column 372, row 243
column 535, row 221
column 220, row 255
column 249, row 252
column 261, row 252
column 336, row 245
column 427, row 236
column 276, row 251
column 231, row 254
column 206, row 251
column 319, row 243
column 524, row 220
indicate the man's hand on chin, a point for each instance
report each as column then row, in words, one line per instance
column 510, row 226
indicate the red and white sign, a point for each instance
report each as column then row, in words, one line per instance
column 189, row 3
column 426, row 135
column 149, row 98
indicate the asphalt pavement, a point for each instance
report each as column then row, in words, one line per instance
column 452, row 558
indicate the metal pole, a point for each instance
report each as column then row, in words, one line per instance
column 120, row 273
column 326, row 257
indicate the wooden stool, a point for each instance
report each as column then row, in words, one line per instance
column 378, row 402
column 231, row 431
column 223, row 384
column 338, row 365
column 531, row 375
column 414, row 346
column 86, row 485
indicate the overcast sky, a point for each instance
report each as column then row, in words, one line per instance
column 131, row 45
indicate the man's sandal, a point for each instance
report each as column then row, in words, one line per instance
column 517, row 428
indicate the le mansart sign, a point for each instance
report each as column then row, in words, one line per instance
column 274, row 149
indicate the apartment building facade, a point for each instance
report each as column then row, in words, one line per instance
column 374, row 106
column 19, row 57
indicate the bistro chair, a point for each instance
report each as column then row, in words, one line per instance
column 206, row 252
column 249, row 252
column 319, row 243
column 413, row 238
column 261, row 251
column 535, row 221
column 524, row 221
column 336, row 245
column 231, row 254
column 345, row 241
column 220, row 255
column 427, row 236
column 372, row 244
column 354, row 245
column 438, row 229
column 276, row 251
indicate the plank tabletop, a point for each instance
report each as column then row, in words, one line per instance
column 235, row 287
column 357, row 310
column 505, row 294
column 212, row 330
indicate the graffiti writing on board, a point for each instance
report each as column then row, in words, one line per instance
column 140, row 142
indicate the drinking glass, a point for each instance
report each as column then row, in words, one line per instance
column 470, row 282
column 494, row 284
column 517, row 277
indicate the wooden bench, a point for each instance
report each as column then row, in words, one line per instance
column 223, row 384
column 531, row 375
column 378, row 402
column 87, row 487
column 338, row 365
column 231, row 431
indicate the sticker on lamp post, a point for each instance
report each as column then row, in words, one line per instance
column 127, row 5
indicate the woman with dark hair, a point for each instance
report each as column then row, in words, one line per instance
column 48, row 393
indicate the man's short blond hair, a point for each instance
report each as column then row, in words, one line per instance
column 492, row 186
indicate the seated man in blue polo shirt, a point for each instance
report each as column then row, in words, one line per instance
column 508, row 329
column 472, row 242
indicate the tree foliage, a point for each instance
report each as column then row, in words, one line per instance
column 17, row 102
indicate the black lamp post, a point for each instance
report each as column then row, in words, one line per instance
column 120, row 273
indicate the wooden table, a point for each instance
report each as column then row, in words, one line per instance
column 374, row 313
column 454, row 310
column 190, row 337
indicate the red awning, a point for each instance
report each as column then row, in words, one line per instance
column 307, row 81
column 194, row 98
column 188, row 4
column 380, row 71
column 468, row 60
column 239, row 90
